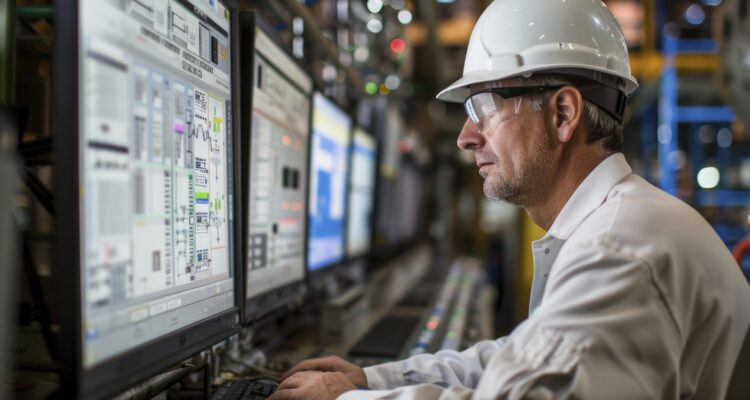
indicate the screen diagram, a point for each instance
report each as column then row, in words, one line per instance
column 155, row 164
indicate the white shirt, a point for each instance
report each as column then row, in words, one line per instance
column 634, row 297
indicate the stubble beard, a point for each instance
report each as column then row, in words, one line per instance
column 522, row 189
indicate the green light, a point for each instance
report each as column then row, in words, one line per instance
column 371, row 88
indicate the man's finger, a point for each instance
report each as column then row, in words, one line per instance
column 315, row 364
column 297, row 380
column 292, row 382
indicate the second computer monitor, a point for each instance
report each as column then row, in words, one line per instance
column 361, row 193
column 328, row 183
column 277, row 123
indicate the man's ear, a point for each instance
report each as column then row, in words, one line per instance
column 567, row 111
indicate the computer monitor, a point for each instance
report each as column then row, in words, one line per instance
column 328, row 182
column 361, row 193
column 276, row 94
column 145, row 186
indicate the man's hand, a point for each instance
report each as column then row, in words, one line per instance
column 354, row 373
column 313, row 385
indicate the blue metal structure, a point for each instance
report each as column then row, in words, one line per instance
column 671, row 115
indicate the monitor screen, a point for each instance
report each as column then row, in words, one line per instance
column 155, row 171
column 277, row 162
column 361, row 193
column 328, row 175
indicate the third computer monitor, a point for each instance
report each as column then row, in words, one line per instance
column 361, row 193
column 328, row 183
column 278, row 124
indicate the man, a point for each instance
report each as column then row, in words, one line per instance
column 634, row 295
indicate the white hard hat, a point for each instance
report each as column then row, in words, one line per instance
column 520, row 37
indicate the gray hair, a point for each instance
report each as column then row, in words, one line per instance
column 602, row 127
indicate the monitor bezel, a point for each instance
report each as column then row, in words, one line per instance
column 364, row 255
column 268, row 302
column 333, row 266
column 125, row 370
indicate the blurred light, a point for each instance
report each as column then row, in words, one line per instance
column 398, row 45
column 724, row 138
column 374, row 25
column 384, row 89
column 677, row 159
column 392, row 82
column 708, row 178
column 398, row 4
column 404, row 17
column 712, row 3
column 375, row 6
column 286, row 140
column 405, row 145
column 298, row 26
column 298, row 47
column 707, row 134
column 361, row 54
column 695, row 14
column 371, row 87
column 745, row 173
column 445, row 1
column 664, row 134
column 329, row 73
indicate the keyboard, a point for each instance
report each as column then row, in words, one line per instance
column 246, row 389
column 387, row 338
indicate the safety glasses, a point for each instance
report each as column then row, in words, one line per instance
column 497, row 103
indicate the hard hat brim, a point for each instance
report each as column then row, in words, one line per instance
column 459, row 91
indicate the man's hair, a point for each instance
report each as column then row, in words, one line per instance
column 602, row 127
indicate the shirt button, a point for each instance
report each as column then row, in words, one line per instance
column 546, row 251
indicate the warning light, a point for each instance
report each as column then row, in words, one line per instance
column 398, row 45
column 433, row 324
column 384, row 89
column 371, row 88
column 286, row 140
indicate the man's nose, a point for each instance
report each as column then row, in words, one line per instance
column 470, row 138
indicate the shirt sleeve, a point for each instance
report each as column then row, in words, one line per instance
column 444, row 368
column 603, row 330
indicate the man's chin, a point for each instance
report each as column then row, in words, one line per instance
column 499, row 192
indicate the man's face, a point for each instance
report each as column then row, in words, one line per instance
column 512, row 149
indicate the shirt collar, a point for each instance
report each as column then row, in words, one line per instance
column 589, row 195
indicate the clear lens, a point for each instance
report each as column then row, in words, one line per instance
column 486, row 106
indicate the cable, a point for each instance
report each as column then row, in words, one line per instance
column 41, row 193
